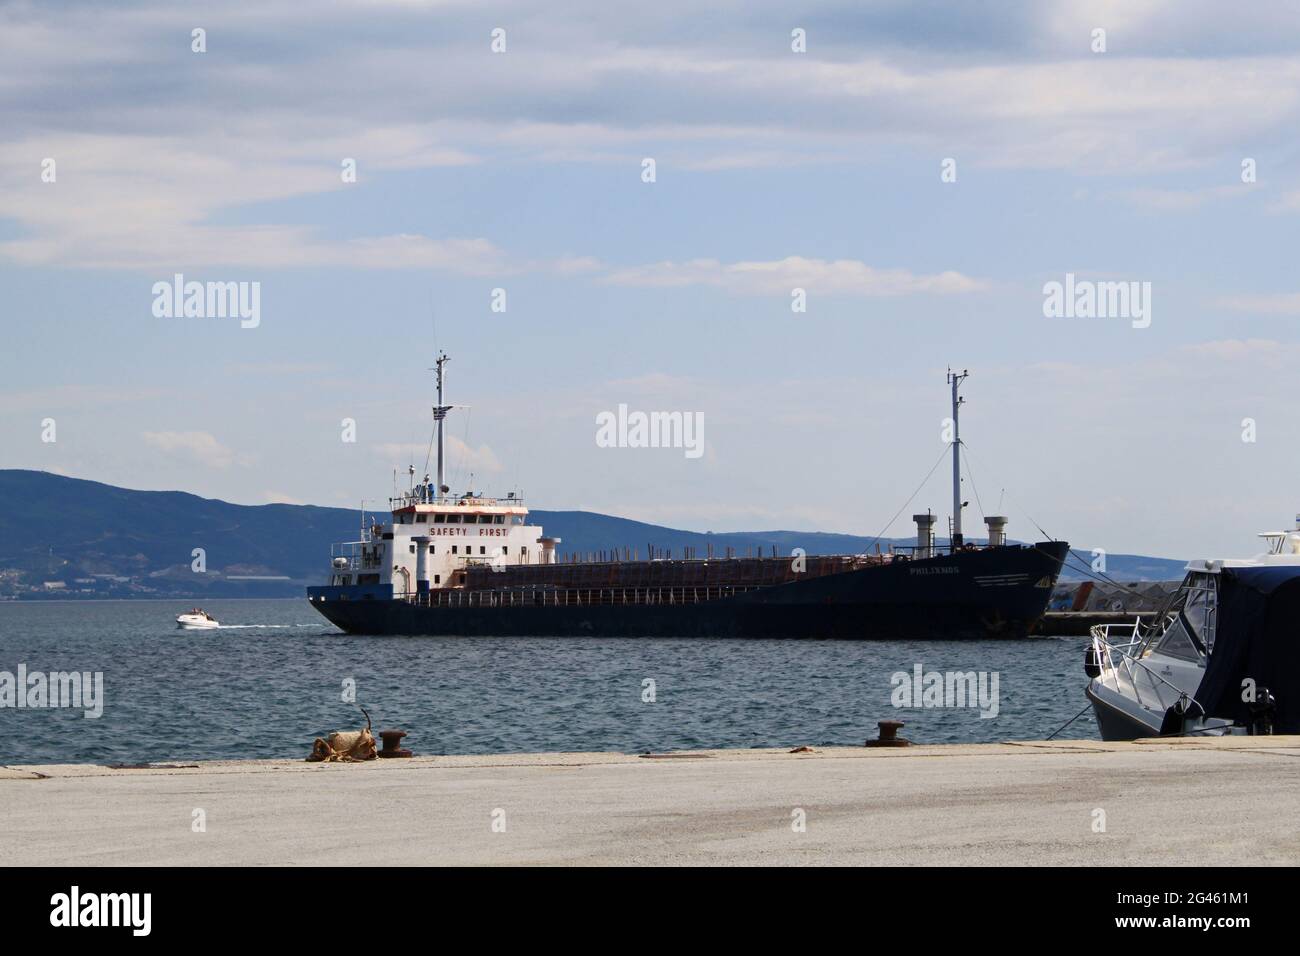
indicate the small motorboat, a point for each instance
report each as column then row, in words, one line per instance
column 1220, row 658
column 196, row 619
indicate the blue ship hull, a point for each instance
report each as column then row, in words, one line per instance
column 987, row 593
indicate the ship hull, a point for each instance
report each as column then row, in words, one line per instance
column 987, row 593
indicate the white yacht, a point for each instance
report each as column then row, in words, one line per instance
column 196, row 619
column 1221, row 657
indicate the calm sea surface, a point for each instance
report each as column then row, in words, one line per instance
column 271, row 679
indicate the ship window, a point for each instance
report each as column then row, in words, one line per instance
column 412, row 549
column 453, row 549
column 421, row 519
column 453, row 519
column 439, row 519
column 437, row 579
column 498, row 519
column 517, row 519
column 505, row 550
column 431, row 547
column 482, row 550
column 1177, row 643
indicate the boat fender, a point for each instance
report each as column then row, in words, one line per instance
column 1091, row 667
column 1263, row 712
column 1177, row 716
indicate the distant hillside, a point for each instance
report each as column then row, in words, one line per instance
column 140, row 542
column 1124, row 567
column 103, row 541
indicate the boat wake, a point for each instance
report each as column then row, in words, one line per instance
column 242, row 627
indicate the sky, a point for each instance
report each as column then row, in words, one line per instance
column 922, row 171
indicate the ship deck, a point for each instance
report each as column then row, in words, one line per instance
column 656, row 582
column 665, row 573
column 553, row 596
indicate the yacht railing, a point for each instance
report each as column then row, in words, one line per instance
column 1104, row 651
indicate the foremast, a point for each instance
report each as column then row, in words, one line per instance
column 955, row 379
column 439, row 415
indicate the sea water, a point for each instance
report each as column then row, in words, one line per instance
column 276, row 675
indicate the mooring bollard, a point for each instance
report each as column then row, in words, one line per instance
column 393, row 743
column 889, row 735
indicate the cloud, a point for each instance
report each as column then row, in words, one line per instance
column 1281, row 303
column 76, row 397
column 1182, row 200
column 837, row 277
column 1287, row 202
column 1267, row 351
column 460, row 456
column 272, row 369
column 200, row 447
column 187, row 160
column 279, row 498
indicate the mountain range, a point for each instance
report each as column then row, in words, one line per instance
column 69, row 537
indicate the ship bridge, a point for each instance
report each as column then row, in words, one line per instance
column 433, row 538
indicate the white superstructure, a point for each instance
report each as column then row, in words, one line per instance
column 433, row 538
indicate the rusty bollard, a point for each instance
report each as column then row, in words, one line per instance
column 889, row 735
column 393, row 743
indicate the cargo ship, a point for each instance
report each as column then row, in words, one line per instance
column 473, row 565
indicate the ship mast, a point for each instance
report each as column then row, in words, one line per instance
column 955, row 379
column 439, row 413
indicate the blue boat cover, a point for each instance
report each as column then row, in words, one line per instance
column 1257, row 637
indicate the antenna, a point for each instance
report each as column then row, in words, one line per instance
column 955, row 379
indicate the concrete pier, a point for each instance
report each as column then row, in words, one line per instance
column 1171, row 802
